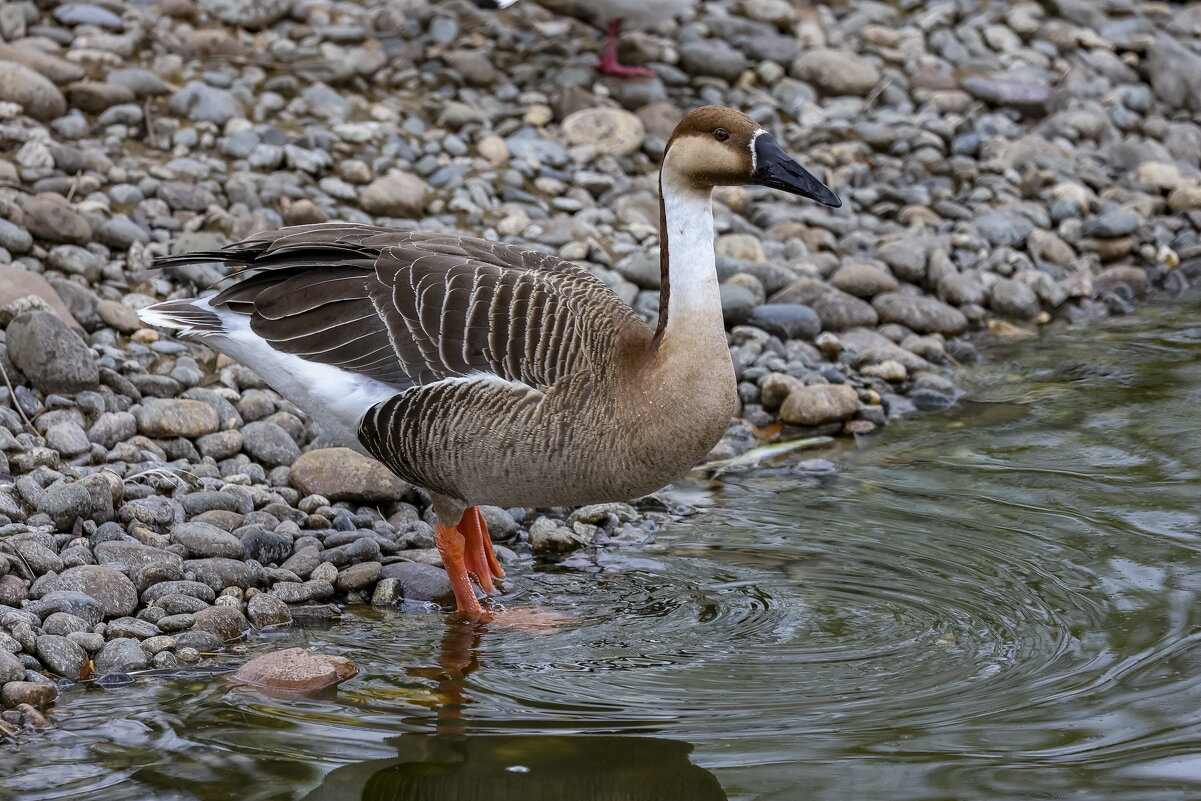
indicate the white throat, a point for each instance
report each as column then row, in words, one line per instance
column 691, row 266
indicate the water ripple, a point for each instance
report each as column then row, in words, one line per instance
column 998, row 602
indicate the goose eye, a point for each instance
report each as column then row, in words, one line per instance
column 721, row 134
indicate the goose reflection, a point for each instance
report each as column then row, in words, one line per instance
column 451, row 765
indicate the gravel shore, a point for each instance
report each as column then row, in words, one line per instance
column 1001, row 165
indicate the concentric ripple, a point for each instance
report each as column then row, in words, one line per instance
column 998, row 602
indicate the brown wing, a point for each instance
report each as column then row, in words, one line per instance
column 411, row 308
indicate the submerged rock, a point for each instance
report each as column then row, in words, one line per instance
column 295, row 671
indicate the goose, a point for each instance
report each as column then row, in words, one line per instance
column 490, row 374
column 612, row 16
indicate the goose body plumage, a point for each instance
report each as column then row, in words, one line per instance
column 491, row 374
column 483, row 372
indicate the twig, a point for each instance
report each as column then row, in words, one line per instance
column 74, row 185
column 13, row 394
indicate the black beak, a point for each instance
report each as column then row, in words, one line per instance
column 774, row 168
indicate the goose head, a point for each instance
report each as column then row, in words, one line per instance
column 719, row 146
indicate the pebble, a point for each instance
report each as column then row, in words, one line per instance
column 606, row 130
column 819, row 404
column 920, row 313
column 341, row 474
column 836, row 72
column 177, row 418
column 35, row 94
column 203, row 540
column 397, row 194
column 1014, row 299
column 200, row 102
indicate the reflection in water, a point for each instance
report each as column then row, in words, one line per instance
column 448, row 766
column 525, row 768
column 999, row 602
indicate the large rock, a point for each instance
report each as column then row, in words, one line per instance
column 129, row 556
column 50, row 217
column 73, row 603
column 200, row 102
column 838, row 310
column 266, row 610
column 608, row 130
column 397, row 194
column 836, row 72
column 923, row 314
column 816, row 405
column 16, row 282
column 50, row 354
column 219, row 572
column 57, row 70
column 87, row 500
column 420, row 582
column 11, row 668
column 116, row 593
column 113, row 427
column 162, row 417
column 252, row 14
column 203, row 540
column 1014, row 299
column 32, row 92
column 1175, row 73
column 62, row 657
column 34, row 693
column 269, row 444
column 121, row 655
column 226, row 623
column 341, row 474
column 863, row 279
column 296, row 671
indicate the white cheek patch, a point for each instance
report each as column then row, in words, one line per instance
column 754, row 158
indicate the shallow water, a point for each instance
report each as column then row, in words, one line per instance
column 997, row 602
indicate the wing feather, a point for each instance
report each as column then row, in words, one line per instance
column 412, row 308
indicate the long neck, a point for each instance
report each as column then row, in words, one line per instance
column 689, row 298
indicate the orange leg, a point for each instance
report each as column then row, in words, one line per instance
column 475, row 529
column 474, row 554
column 451, row 544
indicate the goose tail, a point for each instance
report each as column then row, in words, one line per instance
column 191, row 317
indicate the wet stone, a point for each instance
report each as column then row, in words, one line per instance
column 819, row 404
column 120, row 655
column 62, row 657
column 36, row 694
column 226, row 623
column 265, row 610
column 419, row 582
column 295, row 670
